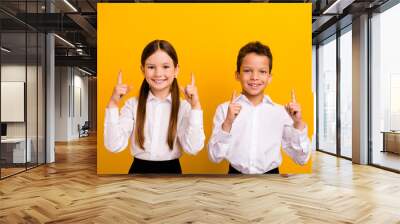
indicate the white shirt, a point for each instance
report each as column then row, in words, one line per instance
column 253, row 144
column 119, row 128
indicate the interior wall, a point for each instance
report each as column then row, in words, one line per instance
column 92, row 103
column 16, row 72
column 71, row 102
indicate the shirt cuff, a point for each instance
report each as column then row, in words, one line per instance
column 223, row 136
column 196, row 117
column 300, row 132
column 112, row 115
column 302, row 138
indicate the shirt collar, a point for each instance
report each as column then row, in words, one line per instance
column 151, row 97
column 266, row 99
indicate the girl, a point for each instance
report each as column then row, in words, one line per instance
column 158, row 122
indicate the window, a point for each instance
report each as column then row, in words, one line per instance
column 346, row 93
column 385, row 88
column 327, row 95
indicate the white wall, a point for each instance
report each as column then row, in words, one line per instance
column 71, row 94
column 62, row 80
column 13, row 73
column 81, row 102
column 33, row 126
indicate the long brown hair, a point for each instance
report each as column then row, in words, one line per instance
column 144, row 93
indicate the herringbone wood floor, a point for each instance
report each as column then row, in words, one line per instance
column 70, row 191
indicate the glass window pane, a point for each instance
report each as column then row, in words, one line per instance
column 327, row 96
column 346, row 94
column 31, row 97
column 41, row 97
column 23, row 85
column 385, row 84
column 13, row 85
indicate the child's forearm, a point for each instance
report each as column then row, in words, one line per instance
column 112, row 103
column 227, row 126
column 300, row 125
column 197, row 106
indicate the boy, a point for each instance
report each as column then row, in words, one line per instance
column 249, row 130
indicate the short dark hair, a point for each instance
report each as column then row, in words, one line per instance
column 253, row 47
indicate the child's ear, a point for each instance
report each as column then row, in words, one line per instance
column 237, row 75
column 269, row 79
column 142, row 69
column 176, row 71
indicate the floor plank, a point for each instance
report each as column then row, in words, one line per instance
column 70, row 191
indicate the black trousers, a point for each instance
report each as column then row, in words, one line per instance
column 235, row 171
column 140, row 166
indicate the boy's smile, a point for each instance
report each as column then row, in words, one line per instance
column 254, row 75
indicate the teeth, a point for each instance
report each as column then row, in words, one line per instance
column 159, row 81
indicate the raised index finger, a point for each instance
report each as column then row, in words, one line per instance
column 192, row 77
column 233, row 96
column 293, row 97
column 119, row 77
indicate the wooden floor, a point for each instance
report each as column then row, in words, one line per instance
column 10, row 171
column 70, row 191
column 387, row 159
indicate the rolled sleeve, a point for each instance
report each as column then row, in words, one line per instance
column 191, row 132
column 223, row 136
column 220, row 140
column 112, row 115
column 300, row 139
column 196, row 118
column 118, row 126
column 296, row 144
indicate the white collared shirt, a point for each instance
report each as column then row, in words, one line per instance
column 253, row 144
column 119, row 128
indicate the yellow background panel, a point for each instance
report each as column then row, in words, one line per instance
column 207, row 38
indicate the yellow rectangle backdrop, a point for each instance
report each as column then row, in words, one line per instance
column 207, row 38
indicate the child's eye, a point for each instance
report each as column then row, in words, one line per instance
column 166, row 66
column 246, row 70
column 263, row 72
column 150, row 67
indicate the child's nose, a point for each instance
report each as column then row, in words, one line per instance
column 254, row 75
column 158, row 72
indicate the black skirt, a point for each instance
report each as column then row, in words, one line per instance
column 140, row 166
column 235, row 171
